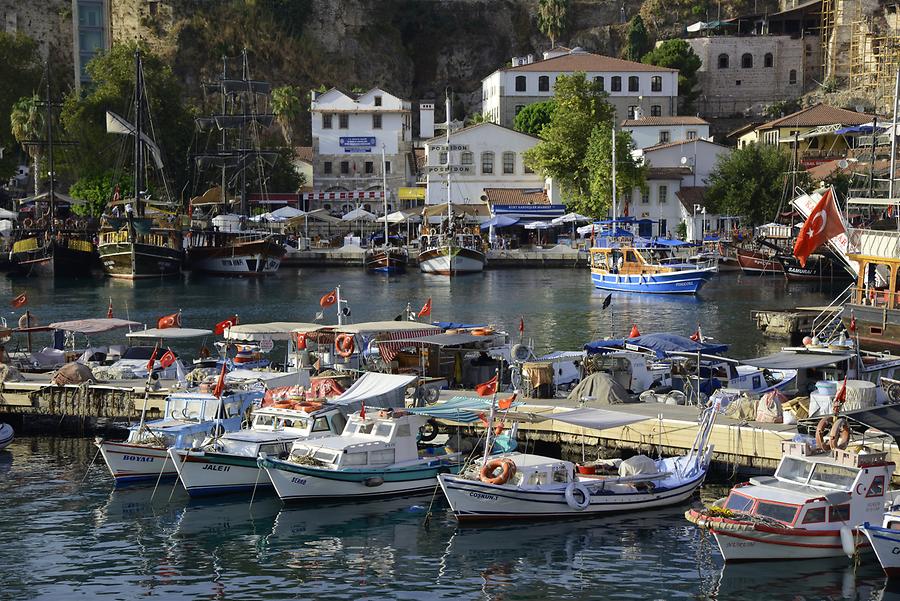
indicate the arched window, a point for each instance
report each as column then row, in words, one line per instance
column 768, row 60
column 509, row 163
column 616, row 83
column 746, row 61
column 487, row 163
column 633, row 84
column 792, row 77
column 723, row 61
column 544, row 83
column 599, row 80
column 520, row 83
column 656, row 83
column 466, row 158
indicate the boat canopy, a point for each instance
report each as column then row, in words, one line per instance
column 371, row 327
column 801, row 360
column 447, row 325
column 93, row 326
column 273, row 330
column 885, row 418
column 598, row 419
column 460, row 409
column 170, row 333
column 444, row 340
column 670, row 242
column 375, row 390
column 662, row 344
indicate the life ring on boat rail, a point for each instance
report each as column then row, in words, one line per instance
column 507, row 470
column 344, row 345
column 838, row 436
column 520, row 352
column 575, row 490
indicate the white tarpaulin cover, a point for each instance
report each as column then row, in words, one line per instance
column 598, row 419
column 359, row 214
column 171, row 333
column 274, row 330
column 93, row 326
column 375, row 390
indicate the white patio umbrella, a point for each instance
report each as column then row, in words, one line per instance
column 572, row 218
column 538, row 225
column 359, row 214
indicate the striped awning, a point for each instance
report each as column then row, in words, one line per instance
column 390, row 349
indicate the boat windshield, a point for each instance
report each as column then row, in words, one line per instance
column 836, row 476
column 795, row 470
column 777, row 511
column 737, row 502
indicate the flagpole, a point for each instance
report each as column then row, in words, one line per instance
column 490, row 424
column 340, row 318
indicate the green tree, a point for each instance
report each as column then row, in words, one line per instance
column 630, row 174
column 638, row 43
column 553, row 18
column 478, row 118
column 287, row 107
column 580, row 106
column 20, row 74
column 97, row 190
column 678, row 54
column 26, row 120
column 749, row 182
column 532, row 119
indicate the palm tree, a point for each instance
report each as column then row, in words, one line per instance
column 27, row 122
column 286, row 106
column 552, row 18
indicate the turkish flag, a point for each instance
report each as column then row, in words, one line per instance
column 169, row 321
column 19, row 301
column 220, row 384
column 109, row 311
column 522, row 325
column 823, row 224
column 329, row 299
column 168, row 359
column 426, row 309
column 487, row 388
column 504, row 404
column 224, row 325
column 152, row 358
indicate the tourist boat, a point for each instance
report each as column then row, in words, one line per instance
column 885, row 541
column 818, row 267
column 377, row 455
column 871, row 314
column 758, row 262
column 228, row 463
column 533, row 486
column 623, row 268
column 6, row 435
column 811, row 508
column 139, row 246
column 386, row 258
column 188, row 420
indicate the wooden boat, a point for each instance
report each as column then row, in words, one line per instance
column 449, row 253
column 234, row 253
column 6, row 435
column 872, row 313
column 758, row 262
column 625, row 269
column 387, row 259
column 818, row 267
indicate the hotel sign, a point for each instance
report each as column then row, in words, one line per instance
column 449, row 169
column 357, row 143
column 452, row 147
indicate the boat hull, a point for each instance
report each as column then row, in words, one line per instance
column 448, row 260
column 390, row 261
column 886, row 544
column 877, row 328
column 257, row 257
column 205, row 474
column 815, row 270
column 757, row 262
column 6, row 436
column 73, row 259
column 136, row 463
column 136, row 261
column 679, row 282
column 472, row 500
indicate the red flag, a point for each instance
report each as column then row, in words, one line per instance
column 426, row 309
column 116, row 194
column 362, row 412
column 840, row 397
column 506, row 403
column 329, row 299
column 220, row 384
column 168, row 359
column 169, row 321
column 823, row 224
column 852, row 326
column 487, row 388
column 152, row 358
column 522, row 325
column 109, row 311
column 698, row 335
column 592, row 235
column 220, row 327
column 19, row 301
column 634, row 331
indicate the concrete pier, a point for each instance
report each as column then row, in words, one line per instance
column 791, row 324
column 354, row 256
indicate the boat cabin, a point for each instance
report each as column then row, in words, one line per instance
column 823, row 491
column 273, row 431
column 535, row 471
column 635, row 371
column 626, row 260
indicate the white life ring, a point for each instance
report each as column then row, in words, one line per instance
column 520, row 352
column 582, row 490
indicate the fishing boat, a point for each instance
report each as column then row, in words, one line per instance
column 222, row 242
column 517, row 485
column 885, row 541
column 386, row 258
column 6, row 435
column 139, row 245
column 622, row 268
column 757, row 261
column 188, row 420
column 871, row 312
column 811, row 508
column 377, row 455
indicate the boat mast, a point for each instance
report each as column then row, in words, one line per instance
column 138, row 126
column 449, row 204
column 51, row 191
column 384, row 198
column 224, row 129
column 893, row 142
column 614, row 207
column 245, row 75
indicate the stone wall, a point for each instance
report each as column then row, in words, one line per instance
column 49, row 22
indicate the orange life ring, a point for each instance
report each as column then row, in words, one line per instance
column 307, row 406
column 283, row 405
column 507, row 471
column 344, row 345
column 482, row 331
column 301, row 341
column 838, row 436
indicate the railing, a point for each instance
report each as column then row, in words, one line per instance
column 874, row 297
column 826, row 321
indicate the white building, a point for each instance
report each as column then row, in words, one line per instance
column 650, row 131
column 481, row 156
column 659, row 202
column 698, row 155
column 348, row 134
column 631, row 86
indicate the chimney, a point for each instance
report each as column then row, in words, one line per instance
column 426, row 120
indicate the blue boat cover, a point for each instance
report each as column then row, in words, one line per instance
column 670, row 242
column 661, row 344
column 463, row 409
column 447, row 325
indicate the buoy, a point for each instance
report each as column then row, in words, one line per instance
column 807, row 341
column 634, row 331
column 848, row 541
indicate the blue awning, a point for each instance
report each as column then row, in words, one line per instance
column 661, row 344
column 530, row 212
column 670, row 242
column 866, row 128
column 455, row 325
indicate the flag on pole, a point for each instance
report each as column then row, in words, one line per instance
column 522, row 325
column 487, row 388
column 634, row 331
column 225, row 324
column 823, row 224
column 167, row 359
column 426, row 309
column 169, row 321
column 698, row 335
column 220, row 384
column 152, row 360
column 329, row 299
column 504, row 404
column 109, row 311
column 852, row 326
column 607, row 301
column 362, row 411
column 19, row 301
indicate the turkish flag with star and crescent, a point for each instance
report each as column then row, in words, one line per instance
column 823, row 224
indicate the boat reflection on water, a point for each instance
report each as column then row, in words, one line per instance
column 833, row 578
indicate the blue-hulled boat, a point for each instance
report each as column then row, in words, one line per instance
column 626, row 269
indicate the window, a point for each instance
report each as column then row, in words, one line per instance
column 376, row 121
column 839, row 513
column 656, row 110
column 691, row 134
column 320, row 425
column 833, row 475
column 442, row 158
column 370, row 167
column 387, row 166
column 519, row 108
column 357, row 458
column 738, row 503
column 768, row 60
column 877, row 488
column 466, row 158
column 345, row 167
column 520, row 83
column 509, row 163
column 632, row 112
column 384, row 457
column 645, row 197
column 487, row 163
column 378, row 101
column 600, row 82
column 616, row 83
column 662, row 194
column 664, row 136
column 633, row 84
column 526, row 168
column 656, row 83
column 326, row 167
column 746, row 61
column 777, row 511
column 737, row 82
column 383, row 429
column 343, row 121
column 723, row 61
column 543, row 83
column 792, row 77
column 814, row 515
column 326, row 121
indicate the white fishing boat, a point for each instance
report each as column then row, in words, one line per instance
column 377, row 455
column 525, row 486
column 811, row 508
column 6, row 435
column 189, row 419
column 885, row 541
